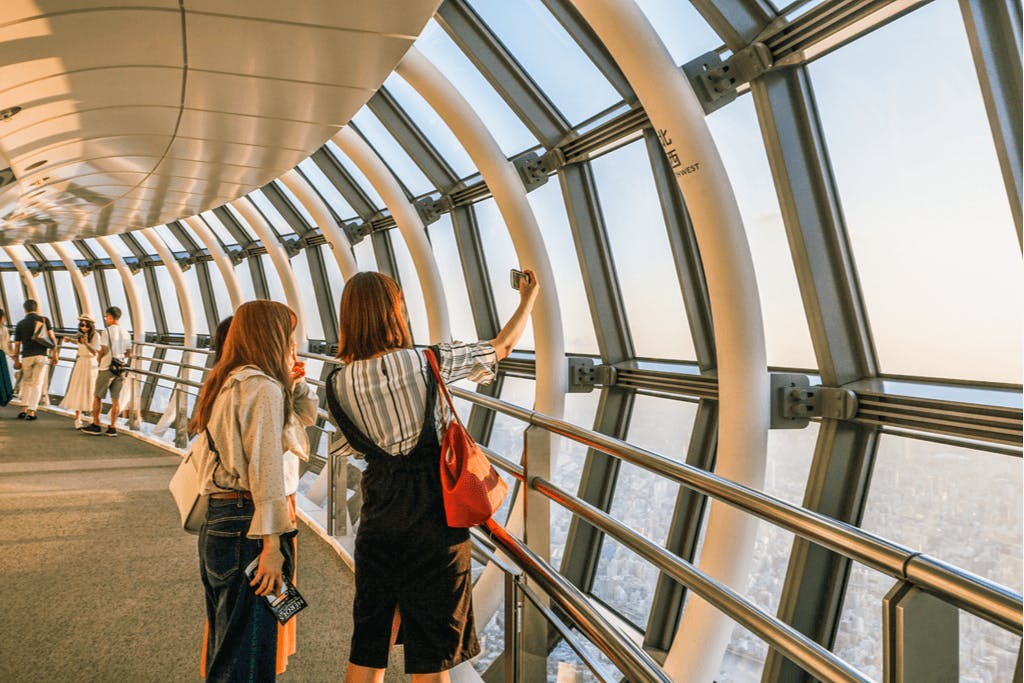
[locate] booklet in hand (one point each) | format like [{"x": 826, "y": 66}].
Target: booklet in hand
[{"x": 285, "y": 604}]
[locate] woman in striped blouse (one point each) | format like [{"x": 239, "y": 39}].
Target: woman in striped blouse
[{"x": 412, "y": 569}]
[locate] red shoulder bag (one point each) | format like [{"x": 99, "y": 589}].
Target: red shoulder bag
[{"x": 471, "y": 487}]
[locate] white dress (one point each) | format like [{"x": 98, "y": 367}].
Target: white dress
[{"x": 83, "y": 378}]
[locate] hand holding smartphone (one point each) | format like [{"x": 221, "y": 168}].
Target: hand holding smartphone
[{"x": 517, "y": 277}]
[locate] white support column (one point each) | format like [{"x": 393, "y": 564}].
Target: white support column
[
  {"x": 282, "y": 265},
  {"x": 26, "y": 275},
  {"x": 510, "y": 196},
  {"x": 220, "y": 258},
  {"x": 188, "y": 318},
  {"x": 178, "y": 401},
  {"x": 335, "y": 236},
  {"x": 138, "y": 315},
  {"x": 409, "y": 224},
  {"x": 676, "y": 115},
  {"x": 77, "y": 279}
]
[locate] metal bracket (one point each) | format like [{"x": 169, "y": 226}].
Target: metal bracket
[
  {"x": 237, "y": 255},
  {"x": 586, "y": 373},
  {"x": 356, "y": 231},
  {"x": 794, "y": 402},
  {"x": 293, "y": 245},
  {"x": 430, "y": 210},
  {"x": 533, "y": 169},
  {"x": 715, "y": 82}
]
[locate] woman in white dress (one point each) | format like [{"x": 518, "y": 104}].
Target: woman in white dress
[{"x": 78, "y": 397}]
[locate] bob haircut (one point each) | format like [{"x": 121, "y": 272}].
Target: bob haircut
[
  {"x": 260, "y": 335},
  {"x": 372, "y": 317}
]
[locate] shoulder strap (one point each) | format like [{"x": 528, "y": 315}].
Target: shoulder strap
[
  {"x": 355, "y": 436},
  {"x": 431, "y": 353}
]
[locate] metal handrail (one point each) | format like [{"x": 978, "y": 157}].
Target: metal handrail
[
  {"x": 631, "y": 659},
  {"x": 974, "y": 594},
  {"x": 174, "y": 347},
  {"x": 981, "y": 597},
  {"x": 977, "y": 595},
  {"x": 809, "y": 655}
]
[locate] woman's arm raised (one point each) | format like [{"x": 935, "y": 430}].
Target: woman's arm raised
[{"x": 509, "y": 335}]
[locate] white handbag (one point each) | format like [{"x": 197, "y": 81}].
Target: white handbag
[{"x": 185, "y": 486}]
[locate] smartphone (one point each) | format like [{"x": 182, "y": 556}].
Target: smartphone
[{"x": 518, "y": 275}]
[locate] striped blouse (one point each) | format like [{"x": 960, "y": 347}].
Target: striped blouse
[{"x": 384, "y": 396}]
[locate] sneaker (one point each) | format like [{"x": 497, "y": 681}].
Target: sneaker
[
  {"x": 111, "y": 431},
  {"x": 92, "y": 429},
  {"x": 31, "y": 417},
  {"x": 22, "y": 415},
  {"x": 78, "y": 424}
]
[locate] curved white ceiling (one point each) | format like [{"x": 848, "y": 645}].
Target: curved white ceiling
[{"x": 139, "y": 112}]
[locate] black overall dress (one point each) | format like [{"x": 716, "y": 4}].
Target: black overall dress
[{"x": 406, "y": 555}]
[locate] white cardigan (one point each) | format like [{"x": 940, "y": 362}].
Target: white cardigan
[{"x": 258, "y": 452}]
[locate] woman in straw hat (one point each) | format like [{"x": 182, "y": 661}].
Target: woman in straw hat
[{"x": 78, "y": 396}]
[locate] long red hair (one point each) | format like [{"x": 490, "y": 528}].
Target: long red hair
[
  {"x": 372, "y": 317},
  {"x": 260, "y": 335}
]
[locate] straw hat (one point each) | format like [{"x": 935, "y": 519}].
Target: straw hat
[{"x": 86, "y": 317}]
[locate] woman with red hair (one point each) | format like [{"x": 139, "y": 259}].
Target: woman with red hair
[
  {"x": 252, "y": 409},
  {"x": 411, "y": 568}
]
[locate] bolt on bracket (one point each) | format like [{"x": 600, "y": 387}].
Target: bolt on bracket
[
  {"x": 794, "y": 401},
  {"x": 586, "y": 373}
]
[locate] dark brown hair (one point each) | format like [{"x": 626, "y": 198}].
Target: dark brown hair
[
  {"x": 372, "y": 317},
  {"x": 260, "y": 335}
]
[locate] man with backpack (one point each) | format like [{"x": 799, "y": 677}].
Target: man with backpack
[
  {"x": 33, "y": 341},
  {"x": 115, "y": 348}
]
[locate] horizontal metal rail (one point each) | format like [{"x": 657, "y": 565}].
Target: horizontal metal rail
[
  {"x": 631, "y": 659},
  {"x": 803, "y": 651},
  {"x": 969, "y": 592}
]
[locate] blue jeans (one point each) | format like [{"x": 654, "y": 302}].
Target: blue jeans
[{"x": 242, "y": 643}]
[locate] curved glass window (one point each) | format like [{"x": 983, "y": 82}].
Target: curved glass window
[
  {"x": 92, "y": 291},
  {"x": 500, "y": 255},
  {"x": 275, "y": 289},
  {"x": 636, "y": 233},
  {"x": 512, "y": 135},
  {"x": 298, "y": 206},
  {"x": 222, "y": 233},
  {"x": 169, "y": 299},
  {"x": 20, "y": 252},
  {"x": 446, "y": 253},
  {"x": 538, "y": 41},
  {"x": 327, "y": 191},
  {"x": 917, "y": 171},
  {"x": 270, "y": 212},
  {"x": 357, "y": 175},
  {"x": 567, "y": 468},
  {"x": 577, "y": 325},
  {"x": 245, "y": 283},
  {"x": 645, "y": 502},
  {"x": 172, "y": 242},
  {"x": 790, "y": 452},
  {"x": 959, "y": 506},
  {"x": 15, "y": 294},
  {"x": 48, "y": 252},
  {"x": 198, "y": 302},
  {"x": 681, "y": 28},
  {"x": 66, "y": 298},
  {"x": 116, "y": 294},
  {"x": 414, "y": 302},
  {"x": 365, "y": 257},
  {"x": 431, "y": 125},
  {"x": 738, "y": 138},
  {"x": 308, "y": 293},
  {"x": 393, "y": 154}
]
